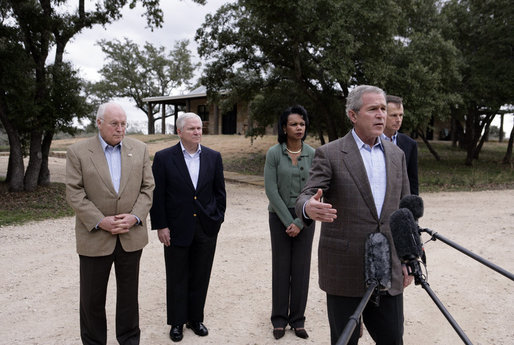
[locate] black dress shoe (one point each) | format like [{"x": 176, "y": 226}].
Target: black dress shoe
[
  {"x": 198, "y": 327},
  {"x": 176, "y": 333},
  {"x": 279, "y": 332},
  {"x": 301, "y": 333}
]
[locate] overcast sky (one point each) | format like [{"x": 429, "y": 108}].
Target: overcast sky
[{"x": 181, "y": 19}]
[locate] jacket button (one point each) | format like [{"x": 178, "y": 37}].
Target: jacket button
[
  {"x": 301, "y": 168},
  {"x": 194, "y": 214}
]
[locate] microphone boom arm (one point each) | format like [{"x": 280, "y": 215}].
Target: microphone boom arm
[
  {"x": 483, "y": 261},
  {"x": 414, "y": 269},
  {"x": 344, "y": 338},
  {"x": 445, "y": 312}
]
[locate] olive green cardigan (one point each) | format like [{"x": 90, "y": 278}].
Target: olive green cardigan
[{"x": 284, "y": 181}]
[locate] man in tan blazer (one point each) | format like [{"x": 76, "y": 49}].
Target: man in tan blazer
[
  {"x": 361, "y": 180},
  {"x": 109, "y": 185}
]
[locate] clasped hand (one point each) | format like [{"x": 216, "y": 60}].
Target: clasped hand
[
  {"x": 320, "y": 211},
  {"x": 118, "y": 224}
]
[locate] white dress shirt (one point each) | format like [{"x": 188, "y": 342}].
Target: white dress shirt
[{"x": 192, "y": 163}]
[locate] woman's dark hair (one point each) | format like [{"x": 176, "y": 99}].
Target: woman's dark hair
[{"x": 282, "y": 121}]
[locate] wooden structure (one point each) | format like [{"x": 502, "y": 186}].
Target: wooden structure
[{"x": 234, "y": 121}]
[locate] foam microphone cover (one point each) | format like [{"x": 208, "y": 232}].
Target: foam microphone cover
[
  {"x": 377, "y": 256},
  {"x": 405, "y": 234},
  {"x": 414, "y": 204}
]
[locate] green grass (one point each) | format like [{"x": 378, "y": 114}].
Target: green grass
[
  {"x": 45, "y": 203},
  {"x": 248, "y": 164},
  {"x": 450, "y": 173}
]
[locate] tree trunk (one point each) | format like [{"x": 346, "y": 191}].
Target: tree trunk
[
  {"x": 471, "y": 136},
  {"x": 500, "y": 136},
  {"x": 332, "y": 128},
  {"x": 427, "y": 143},
  {"x": 36, "y": 156},
  {"x": 508, "y": 155},
  {"x": 151, "y": 125},
  {"x": 163, "y": 119},
  {"x": 320, "y": 135},
  {"x": 15, "y": 167},
  {"x": 484, "y": 138},
  {"x": 44, "y": 172},
  {"x": 151, "y": 119}
]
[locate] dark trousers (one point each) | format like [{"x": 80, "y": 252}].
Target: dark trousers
[
  {"x": 291, "y": 265},
  {"x": 188, "y": 271},
  {"x": 94, "y": 276},
  {"x": 383, "y": 322}
]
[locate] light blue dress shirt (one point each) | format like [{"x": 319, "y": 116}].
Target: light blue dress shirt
[
  {"x": 392, "y": 139},
  {"x": 374, "y": 162},
  {"x": 113, "y": 157}
]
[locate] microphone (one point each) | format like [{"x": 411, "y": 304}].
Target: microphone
[
  {"x": 377, "y": 272},
  {"x": 405, "y": 235},
  {"x": 377, "y": 264},
  {"x": 414, "y": 204}
]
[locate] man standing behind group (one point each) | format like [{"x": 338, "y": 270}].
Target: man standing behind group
[
  {"x": 361, "y": 180},
  {"x": 188, "y": 209},
  {"x": 109, "y": 185},
  {"x": 406, "y": 143}
]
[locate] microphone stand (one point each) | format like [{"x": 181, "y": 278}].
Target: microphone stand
[
  {"x": 414, "y": 269},
  {"x": 344, "y": 338},
  {"x": 436, "y": 236}
]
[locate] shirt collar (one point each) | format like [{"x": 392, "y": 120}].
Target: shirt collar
[
  {"x": 361, "y": 143},
  {"x": 185, "y": 151},
  {"x": 105, "y": 145},
  {"x": 392, "y": 139}
]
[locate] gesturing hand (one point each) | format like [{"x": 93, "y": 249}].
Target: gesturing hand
[{"x": 318, "y": 210}]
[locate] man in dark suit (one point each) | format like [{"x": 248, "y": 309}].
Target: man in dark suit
[
  {"x": 188, "y": 209},
  {"x": 361, "y": 179},
  {"x": 406, "y": 143},
  {"x": 109, "y": 185}
]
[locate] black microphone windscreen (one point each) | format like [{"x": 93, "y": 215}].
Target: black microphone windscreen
[
  {"x": 414, "y": 204},
  {"x": 377, "y": 264},
  {"x": 405, "y": 234}
]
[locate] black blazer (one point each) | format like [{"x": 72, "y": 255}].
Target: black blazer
[
  {"x": 410, "y": 148},
  {"x": 177, "y": 205}
]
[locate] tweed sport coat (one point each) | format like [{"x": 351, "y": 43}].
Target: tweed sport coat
[
  {"x": 339, "y": 171},
  {"x": 90, "y": 192}
]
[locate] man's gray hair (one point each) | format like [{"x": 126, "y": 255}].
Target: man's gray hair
[
  {"x": 354, "y": 99},
  {"x": 181, "y": 121},
  {"x": 101, "y": 109}
]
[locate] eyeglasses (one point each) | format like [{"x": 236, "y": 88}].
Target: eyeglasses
[{"x": 118, "y": 124}]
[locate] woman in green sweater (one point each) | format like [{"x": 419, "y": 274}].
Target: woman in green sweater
[{"x": 285, "y": 172}]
